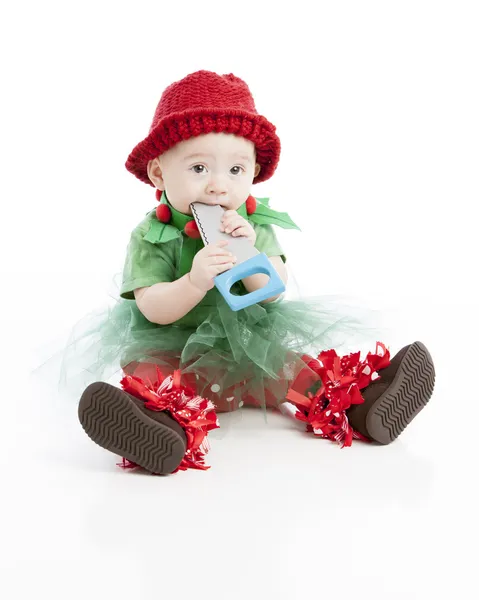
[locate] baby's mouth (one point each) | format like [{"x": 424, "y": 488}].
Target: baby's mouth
[{"x": 215, "y": 203}]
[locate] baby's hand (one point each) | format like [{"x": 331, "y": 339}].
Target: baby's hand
[
  {"x": 209, "y": 262},
  {"x": 236, "y": 225}
]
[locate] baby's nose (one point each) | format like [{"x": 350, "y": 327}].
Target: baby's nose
[
  {"x": 217, "y": 190},
  {"x": 217, "y": 187}
]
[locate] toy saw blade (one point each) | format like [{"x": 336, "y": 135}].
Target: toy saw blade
[{"x": 208, "y": 218}]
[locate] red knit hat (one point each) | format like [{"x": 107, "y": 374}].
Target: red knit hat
[{"x": 205, "y": 102}]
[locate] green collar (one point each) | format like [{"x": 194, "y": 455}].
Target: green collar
[{"x": 164, "y": 232}]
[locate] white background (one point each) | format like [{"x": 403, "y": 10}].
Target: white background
[{"x": 376, "y": 107}]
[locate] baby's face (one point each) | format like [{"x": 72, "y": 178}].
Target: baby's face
[{"x": 216, "y": 168}]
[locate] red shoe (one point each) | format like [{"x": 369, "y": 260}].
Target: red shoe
[
  {"x": 120, "y": 423},
  {"x": 392, "y": 402}
]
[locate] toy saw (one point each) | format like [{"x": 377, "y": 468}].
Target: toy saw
[{"x": 249, "y": 260}]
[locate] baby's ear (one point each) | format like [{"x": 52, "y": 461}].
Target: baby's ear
[
  {"x": 257, "y": 169},
  {"x": 155, "y": 175}
]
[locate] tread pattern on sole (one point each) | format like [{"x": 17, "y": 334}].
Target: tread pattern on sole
[
  {"x": 112, "y": 421},
  {"x": 406, "y": 397}
]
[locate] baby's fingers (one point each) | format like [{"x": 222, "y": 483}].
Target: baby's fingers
[
  {"x": 222, "y": 268},
  {"x": 215, "y": 250},
  {"x": 241, "y": 231},
  {"x": 222, "y": 260}
]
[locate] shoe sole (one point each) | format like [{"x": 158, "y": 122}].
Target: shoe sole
[
  {"x": 409, "y": 392},
  {"x": 115, "y": 423}
]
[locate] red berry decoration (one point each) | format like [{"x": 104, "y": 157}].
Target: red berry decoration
[
  {"x": 250, "y": 205},
  {"x": 191, "y": 230},
  {"x": 158, "y": 194},
  {"x": 163, "y": 213}
]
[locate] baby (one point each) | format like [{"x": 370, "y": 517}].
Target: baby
[{"x": 184, "y": 353}]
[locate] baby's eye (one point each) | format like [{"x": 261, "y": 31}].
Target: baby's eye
[
  {"x": 237, "y": 172},
  {"x": 194, "y": 167}
]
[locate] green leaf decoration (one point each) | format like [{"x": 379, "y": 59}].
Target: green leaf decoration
[
  {"x": 161, "y": 232},
  {"x": 267, "y": 216},
  {"x": 264, "y": 201}
]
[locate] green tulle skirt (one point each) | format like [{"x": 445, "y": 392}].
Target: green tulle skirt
[{"x": 248, "y": 357}]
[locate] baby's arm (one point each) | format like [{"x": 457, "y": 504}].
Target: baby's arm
[
  {"x": 166, "y": 302},
  {"x": 259, "y": 280}
]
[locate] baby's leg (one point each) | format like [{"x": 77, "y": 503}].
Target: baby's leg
[
  {"x": 224, "y": 400},
  {"x": 274, "y": 395},
  {"x": 232, "y": 398},
  {"x": 147, "y": 369}
]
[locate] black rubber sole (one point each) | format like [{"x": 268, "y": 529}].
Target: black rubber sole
[
  {"x": 407, "y": 395},
  {"x": 113, "y": 421}
]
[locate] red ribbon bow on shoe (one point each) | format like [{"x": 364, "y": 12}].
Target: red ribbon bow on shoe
[
  {"x": 341, "y": 378},
  {"x": 195, "y": 414}
]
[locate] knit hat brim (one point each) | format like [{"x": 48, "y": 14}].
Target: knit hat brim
[{"x": 181, "y": 126}]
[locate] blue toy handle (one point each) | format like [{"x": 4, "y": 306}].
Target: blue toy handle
[{"x": 257, "y": 264}]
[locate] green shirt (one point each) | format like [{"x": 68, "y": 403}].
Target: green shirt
[{"x": 167, "y": 254}]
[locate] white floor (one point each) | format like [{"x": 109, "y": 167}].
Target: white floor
[{"x": 280, "y": 514}]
